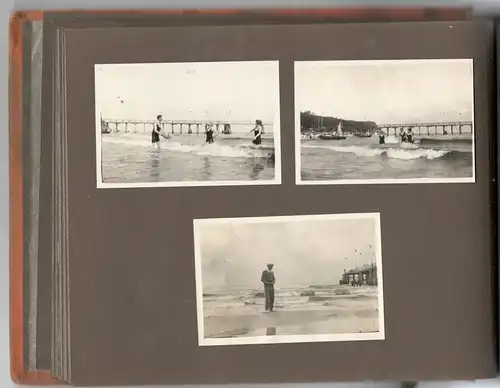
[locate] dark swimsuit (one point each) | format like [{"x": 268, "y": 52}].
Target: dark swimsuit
[
  {"x": 209, "y": 136},
  {"x": 155, "y": 138},
  {"x": 258, "y": 139},
  {"x": 409, "y": 138}
]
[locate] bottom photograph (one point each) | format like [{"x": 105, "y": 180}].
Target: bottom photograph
[{"x": 287, "y": 279}]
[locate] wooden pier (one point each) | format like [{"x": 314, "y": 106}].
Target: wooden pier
[
  {"x": 365, "y": 275},
  {"x": 170, "y": 126},
  {"x": 452, "y": 128}
]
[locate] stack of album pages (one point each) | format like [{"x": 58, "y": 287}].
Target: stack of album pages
[{"x": 252, "y": 196}]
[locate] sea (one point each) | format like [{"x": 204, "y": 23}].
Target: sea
[
  {"x": 131, "y": 158},
  {"x": 363, "y": 159},
  {"x": 322, "y": 309}
]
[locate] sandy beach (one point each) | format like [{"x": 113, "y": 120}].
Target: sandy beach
[{"x": 299, "y": 311}]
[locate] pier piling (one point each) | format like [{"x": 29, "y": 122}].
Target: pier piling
[
  {"x": 176, "y": 126},
  {"x": 365, "y": 275}
]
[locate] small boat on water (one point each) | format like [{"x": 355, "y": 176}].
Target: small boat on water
[
  {"x": 337, "y": 135},
  {"x": 363, "y": 135},
  {"x": 332, "y": 137}
]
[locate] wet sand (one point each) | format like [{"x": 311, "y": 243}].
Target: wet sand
[{"x": 337, "y": 315}]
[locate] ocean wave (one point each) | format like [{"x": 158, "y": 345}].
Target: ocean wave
[
  {"x": 420, "y": 153},
  {"x": 391, "y": 139},
  {"x": 228, "y": 151},
  {"x": 392, "y": 152}
]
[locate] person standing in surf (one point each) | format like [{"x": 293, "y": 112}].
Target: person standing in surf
[
  {"x": 272, "y": 157},
  {"x": 257, "y": 132},
  {"x": 381, "y": 138},
  {"x": 402, "y": 135},
  {"x": 155, "y": 135},
  {"x": 268, "y": 279},
  {"x": 409, "y": 136},
  {"x": 209, "y": 134}
]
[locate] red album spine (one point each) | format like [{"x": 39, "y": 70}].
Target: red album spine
[{"x": 19, "y": 372}]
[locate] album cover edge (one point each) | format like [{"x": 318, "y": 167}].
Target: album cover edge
[
  {"x": 403, "y": 13},
  {"x": 18, "y": 372}
]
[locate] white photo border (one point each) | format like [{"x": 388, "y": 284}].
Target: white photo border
[
  {"x": 375, "y": 181},
  {"x": 276, "y": 135},
  {"x": 286, "y": 339}
]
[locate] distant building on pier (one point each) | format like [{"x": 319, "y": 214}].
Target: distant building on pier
[{"x": 364, "y": 275}]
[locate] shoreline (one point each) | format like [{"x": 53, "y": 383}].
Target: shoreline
[
  {"x": 292, "y": 323},
  {"x": 234, "y": 135},
  {"x": 323, "y": 313}
]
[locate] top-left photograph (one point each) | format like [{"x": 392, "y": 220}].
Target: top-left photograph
[{"x": 187, "y": 124}]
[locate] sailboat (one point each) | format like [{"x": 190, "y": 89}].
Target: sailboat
[{"x": 338, "y": 135}]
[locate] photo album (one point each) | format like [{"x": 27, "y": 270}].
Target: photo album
[{"x": 252, "y": 196}]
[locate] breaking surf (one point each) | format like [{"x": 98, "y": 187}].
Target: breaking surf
[
  {"x": 226, "y": 149},
  {"x": 392, "y": 152}
]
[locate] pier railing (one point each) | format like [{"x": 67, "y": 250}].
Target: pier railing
[
  {"x": 451, "y": 128},
  {"x": 170, "y": 126}
]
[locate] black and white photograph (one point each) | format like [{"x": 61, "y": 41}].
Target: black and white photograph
[
  {"x": 384, "y": 121},
  {"x": 289, "y": 279},
  {"x": 187, "y": 124}
]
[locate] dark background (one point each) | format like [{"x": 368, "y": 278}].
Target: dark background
[{"x": 133, "y": 306}]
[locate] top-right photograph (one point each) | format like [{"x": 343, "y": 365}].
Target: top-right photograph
[{"x": 387, "y": 121}]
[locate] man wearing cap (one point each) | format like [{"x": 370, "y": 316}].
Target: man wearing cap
[{"x": 268, "y": 279}]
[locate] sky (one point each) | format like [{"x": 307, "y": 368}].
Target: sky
[
  {"x": 306, "y": 252},
  {"x": 239, "y": 91},
  {"x": 387, "y": 92}
]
